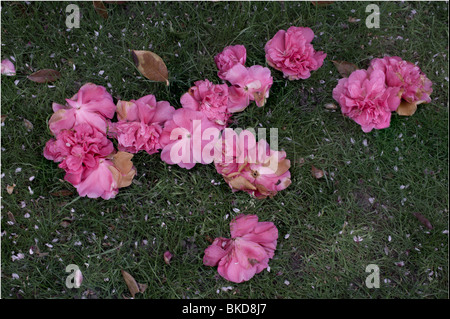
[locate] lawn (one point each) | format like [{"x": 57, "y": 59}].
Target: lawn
[{"x": 330, "y": 229}]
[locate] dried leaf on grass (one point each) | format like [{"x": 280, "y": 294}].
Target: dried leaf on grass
[
  {"x": 44, "y": 76},
  {"x": 345, "y": 68},
  {"x": 423, "y": 220},
  {"x": 317, "y": 173},
  {"x": 151, "y": 66},
  {"x": 133, "y": 286}
]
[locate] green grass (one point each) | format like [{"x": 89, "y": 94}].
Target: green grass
[{"x": 368, "y": 191}]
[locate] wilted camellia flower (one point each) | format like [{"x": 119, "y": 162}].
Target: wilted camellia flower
[
  {"x": 7, "y": 68},
  {"x": 189, "y": 138},
  {"x": 229, "y": 57},
  {"x": 292, "y": 53},
  {"x": 140, "y": 124},
  {"x": 92, "y": 104},
  {"x": 365, "y": 98},
  {"x": 78, "y": 149},
  {"x": 248, "y": 84},
  {"x": 105, "y": 180},
  {"x": 251, "y": 166},
  {"x": 210, "y": 99},
  {"x": 415, "y": 87},
  {"x": 247, "y": 252}
]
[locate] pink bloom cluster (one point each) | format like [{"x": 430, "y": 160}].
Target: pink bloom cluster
[
  {"x": 247, "y": 252},
  {"x": 250, "y": 165},
  {"x": 292, "y": 53},
  {"x": 189, "y": 135},
  {"x": 370, "y": 96},
  {"x": 140, "y": 124},
  {"x": 81, "y": 147}
]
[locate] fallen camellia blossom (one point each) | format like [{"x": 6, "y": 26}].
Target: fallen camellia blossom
[
  {"x": 251, "y": 166},
  {"x": 140, "y": 124},
  {"x": 229, "y": 57},
  {"x": 415, "y": 87},
  {"x": 248, "y": 84},
  {"x": 92, "y": 104},
  {"x": 105, "y": 180},
  {"x": 292, "y": 53},
  {"x": 189, "y": 138},
  {"x": 78, "y": 149},
  {"x": 210, "y": 99},
  {"x": 7, "y": 68},
  {"x": 248, "y": 251},
  {"x": 365, "y": 98}
]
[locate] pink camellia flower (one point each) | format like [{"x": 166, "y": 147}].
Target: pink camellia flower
[
  {"x": 78, "y": 149},
  {"x": 248, "y": 84},
  {"x": 229, "y": 57},
  {"x": 7, "y": 68},
  {"x": 210, "y": 99},
  {"x": 251, "y": 166},
  {"x": 248, "y": 251},
  {"x": 189, "y": 138},
  {"x": 92, "y": 104},
  {"x": 105, "y": 180},
  {"x": 415, "y": 87},
  {"x": 140, "y": 124},
  {"x": 365, "y": 98},
  {"x": 292, "y": 53}
]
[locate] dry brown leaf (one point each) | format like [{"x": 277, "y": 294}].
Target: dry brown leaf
[
  {"x": 28, "y": 124},
  {"x": 345, "y": 68},
  {"x": 316, "y": 173},
  {"x": 151, "y": 66},
  {"x": 4, "y": 118},
  {"x": 331, "y": 106},
  {"x": 423, "y": 220},
  {"x": 10, "y": 188},
  {"x": 62, "y": 193},
  {"x": 133, "y": 286},
  {"x": 11, "y": 217},
  {"x": 101, "y": 9},
  {"x": 406, "y": 108},
  {"x": 321, "y": 3},
  {"x": 44, "y": 76}
]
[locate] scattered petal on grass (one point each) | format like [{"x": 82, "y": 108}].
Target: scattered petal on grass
[
  {"x": 316, "y": 173},
  {"x": 331, "y": 106},
  {"x": 10, "y": 188},
  {"x": 167, "y": 257}
]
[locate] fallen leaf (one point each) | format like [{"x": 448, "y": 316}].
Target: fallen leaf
[
  {"x": 321, "y": 3},
  {"x": 4, "y": 118},
  {"x": 331, "y": 106},
  {"x": 10, "y": 189},
  {"x": 316, "y": 173},
  {"x": 423, "y": 220},
  {"x": 11, "y": 217},
  {"x": 345, "y": 68},
  {"x": 28, "y": 124},
  {"x": 151, "y": 66},
  {"x": 133, "y": 286},
  {"x": 101, "y": 9},
  {"x": 44, "y": 76},
  {"x": 406, "y": 108},
  {"x": 62, "y": 193}
]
